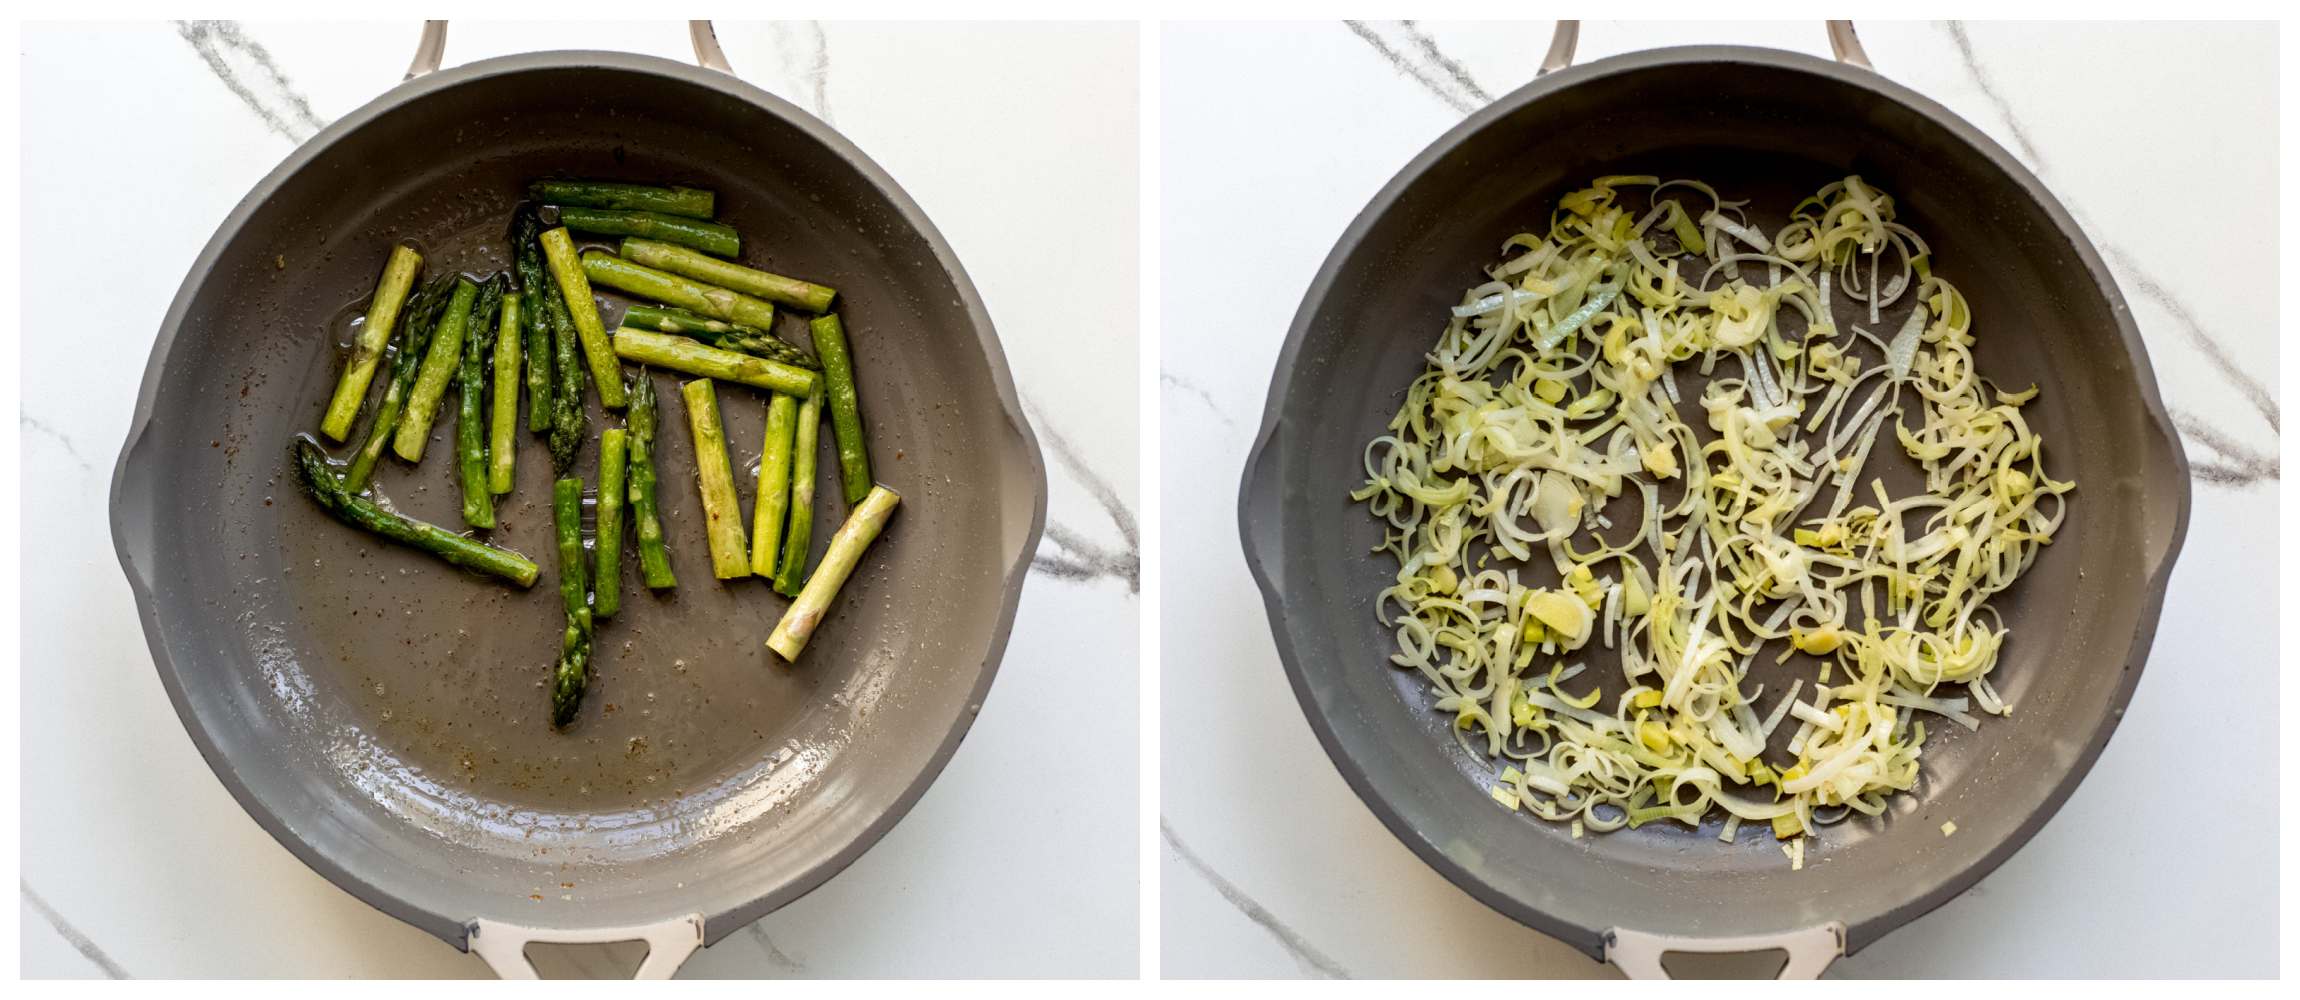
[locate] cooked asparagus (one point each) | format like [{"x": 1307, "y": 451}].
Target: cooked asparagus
[
  {"x": 471, "y": 414},
  {"x": 606, "y": 375},
  {"x": 504, "y": 420},
  {"x": 607, "y": 569},
  {"x": 527, "y": 260},
  {"x": 686, "y": 293},
  {"x": 722, "y": 510},
  {"x": 569, "y": 423},
  {"x": 572, "y": 673},
  {"x": 799, "y": 534},
  {"x": 367, "y": 351},
  {"x": 690, "y": 202},
  {"x": 343, "y": 505},
  {"x": 419, "y": 318},
  {"x": 719, "y": 333},
  {"x": 773, "y": 500},
  {"x": 679, "y": 260},
  {"x": 709, "y": 237},
  {"x": 846, "y": 412},
  {"x": 654, "y": 557},
  {"x": 861, "y": 528},
  {"x": 439, "y": 366},
  {"x": 683, "y": 355}
]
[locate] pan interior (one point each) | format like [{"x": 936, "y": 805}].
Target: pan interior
[
  {"x": 1753, "y": 129},
  {"x": 385, "y": 713}
]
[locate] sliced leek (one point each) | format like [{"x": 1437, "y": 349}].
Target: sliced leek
[{"x": 1553, "y": 389}]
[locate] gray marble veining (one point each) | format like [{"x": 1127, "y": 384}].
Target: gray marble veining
[
  {"x": 1314, "y": 963},
  {"x": 247, "y": 69},
  {"x": 1416, "y": 55},
  {"x": 72, "y": 935}
]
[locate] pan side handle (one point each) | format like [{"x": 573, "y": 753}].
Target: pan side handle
[
  {"x": 504, "y": 946},
  {"x": 1843, "y": 44},
  {"x": 1810, "y": 949},
  {"x": 432, "y": 48},
  {"x": 1260, "y": 524}
]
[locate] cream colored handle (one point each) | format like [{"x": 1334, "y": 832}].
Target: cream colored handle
[
  {"x": 504, "y": 946},
  {"x": 432, "y": 47},
  {"x": 1810, "y": 949},
  {"x": 1843, "y": 44}
]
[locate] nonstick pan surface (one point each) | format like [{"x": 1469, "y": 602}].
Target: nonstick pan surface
[
  {"x": 1775, "y": 127},
  {"x": 382, "y": 714}
]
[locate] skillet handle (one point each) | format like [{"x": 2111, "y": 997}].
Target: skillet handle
[
  {"x": 504, "y": 946},
  {"x": 1810, "y": 949},
  {"x": 433, "y": 46},
  {"x": 1843, "y": 44}
]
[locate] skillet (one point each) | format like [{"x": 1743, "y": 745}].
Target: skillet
[
  {"x": 1772, "y": 126},
  {"x": 380, "y": 713}
]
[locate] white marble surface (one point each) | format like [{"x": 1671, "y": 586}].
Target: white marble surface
[
  {"x": 1021, "y": 860},
  {"x": 1288, "y": 874}
]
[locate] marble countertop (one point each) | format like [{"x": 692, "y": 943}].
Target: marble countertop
[
  {"x": 1021, "y": 860},
  {"x": 1272, "y": 867}
]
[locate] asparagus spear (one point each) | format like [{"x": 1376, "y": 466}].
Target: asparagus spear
[
  {"x": 861, "y": 528},
  {"x": 607, "y": 574},
  {"x": 709, "y": 237},
  {"x": 606, "y": 374},
  {"x": 774, "y": 496},
  {"x": 527, "y": 260},
  {"x": 799, "y": 536},
  {"x": 569, "y": 423},
  {"x": 421, "y": 317},
  {"x": 500, "y": 447},
  {"x": 721, "y": 508},
  {"x": 679, "y": 260},
  {"x": 345, "y": 506},
  {"x": 438, "y": 366},
  {"x": 846, "y": 414},
  {"x": 367, "y": 351},
  {"x": 690, "y": 202},
  {"x": 572, "y": 673},
  {"x": 719, "y": 333},
  {"x": 654, "y": 557},
  {"x": 686, "y": 293},
  {"x": 681, "y": 354},
  {"x": 471, "y": 415}
]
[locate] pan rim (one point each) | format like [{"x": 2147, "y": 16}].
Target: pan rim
[
  {"x": 1260, "y": 521},
  {"x": 455, "y": 929}
]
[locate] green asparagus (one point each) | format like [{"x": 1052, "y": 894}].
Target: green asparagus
[
  {"x": 720, "y": 334},
  {"x": 419, "y": 319},
  {"x": 709, "y": 237},
  {"x": 689, "y": 202},
  {"x": 654, "y": 557},
  {"x": 607, "y": 569},
  {"x": 527, "y": 260},
  {"x": 861, "y": 528},
  {"x": 606, "y": 374},
  {"x": 345, "y": 506},
  {"x": 686, "y": 293},
  {"x": 439, "y": 366},
  {"x": 681, "y": 354},
  {"x": 722, "y": 510},
  {"x": 774, "y": 497},
  {"x": 569, "y": 423},
  {"x": 679, "y": 260},
  {"x": 572, "y": 673},
  {"x": 471, "y": 414},
  {"x": 504, "y": 420},
  {"x": 846, "y": 413},
  {"x": 382, "y": 314},
  {"x": 791, "y": 566}
]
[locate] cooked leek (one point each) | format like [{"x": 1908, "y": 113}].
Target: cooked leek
[{"x": 1553, "y": 389}]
